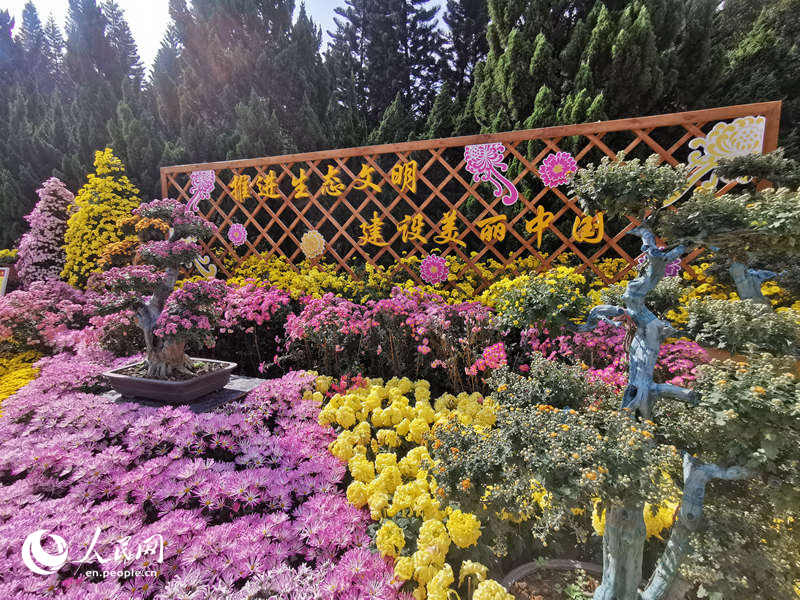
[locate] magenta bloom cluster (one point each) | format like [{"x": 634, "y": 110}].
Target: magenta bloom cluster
[
  {"x": 603, "y": 353},
  {"x": 41, "y": 249},
  {"x": 241, "y": 495}
]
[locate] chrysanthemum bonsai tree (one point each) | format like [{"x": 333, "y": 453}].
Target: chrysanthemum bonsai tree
[
  {"x": 552, "y": 454},
  {"x": 743, "y": 423},
  {"x": 170, "y": 319}
]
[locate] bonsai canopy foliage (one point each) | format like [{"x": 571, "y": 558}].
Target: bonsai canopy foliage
[
  {"x": 166, "y": 232},
  {"x": 549, "y": 455},
  {"x": 621, "y": 187}
]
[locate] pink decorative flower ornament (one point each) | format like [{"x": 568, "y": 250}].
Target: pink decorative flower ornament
[
  {"x": 202, "y": 186},
  {"x": 485, "y": 161},
  {"x": 433, "y": 269},
  {"x": 557, "y": 169},
  {"x": 237, "y": 234}
]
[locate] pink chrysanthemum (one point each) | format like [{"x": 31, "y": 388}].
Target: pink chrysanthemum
[
  {"x": 433, "y": 269},
  {"x": 557, "y": 169},
  {"x": 237, "y": 234}
]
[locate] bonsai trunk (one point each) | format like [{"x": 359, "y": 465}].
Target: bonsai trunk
[
  {"x": 623, "y": 547},
  {"x": 167, "y": 360},
  {"x": 623, "y": 542},
  {"x": 696, "y": 476},
  {"x": 748, "y": 282},
  {"x": 163, "y": 360}
]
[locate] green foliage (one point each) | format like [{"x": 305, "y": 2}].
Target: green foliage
[
  {"x": 576, "y": 454},
  {"x": 743, "y": 326},
  {"x": 748, "y": 415},
  {"x": 547, "y": 300},
  {"x": 761, "y": 224},
  {"x": 773, "y": 167},
  {"x": 623, "y": 187},
  {"x": 661, "y": 299},
  {"x": 553, "y": 383}
]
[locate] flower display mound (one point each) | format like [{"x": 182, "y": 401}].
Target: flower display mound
[
  {"x": 383, "y": 431},
  {"x": 245, "y": 498}
]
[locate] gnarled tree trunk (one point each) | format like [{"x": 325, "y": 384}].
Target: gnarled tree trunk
[
  {"x": 163, "y": 360},
  {"x": 623, "y": 548},
  {"x": 748, "y": 282}
]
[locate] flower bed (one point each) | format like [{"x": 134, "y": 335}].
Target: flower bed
[{"x": 246, "y": 498}]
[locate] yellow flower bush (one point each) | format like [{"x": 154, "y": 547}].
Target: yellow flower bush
[
  {"x": 317, "y": 279},
  {"x": 15, "y": 373},
  {"x": 384, "y": 435},
  {"x": 107, "y": 197},
  {"x": 8, "y": 256},
  {"x": 655, "y": 522}
]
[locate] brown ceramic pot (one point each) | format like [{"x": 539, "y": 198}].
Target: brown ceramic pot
[{"x": 171, "y": 392}]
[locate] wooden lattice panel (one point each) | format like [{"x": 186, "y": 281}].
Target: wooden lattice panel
[{"x": 275, "y": 225}]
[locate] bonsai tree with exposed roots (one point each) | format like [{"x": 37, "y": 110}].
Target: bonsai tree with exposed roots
[{"x": 171, "y": 319}]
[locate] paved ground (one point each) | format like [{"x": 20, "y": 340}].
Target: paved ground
[{"x": 237, "y": 388}]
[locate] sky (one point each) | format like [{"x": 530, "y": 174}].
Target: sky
[{"x": 148, "y": 19}]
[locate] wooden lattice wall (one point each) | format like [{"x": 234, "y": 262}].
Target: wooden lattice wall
[{"x": 275, "y": 225}]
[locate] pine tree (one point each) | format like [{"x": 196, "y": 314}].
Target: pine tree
[
  {"x": 125, "y": 55},
  {"x": 764, "y": 66},
  {"x": 383, "y": 48},
  {"x": 441, "y": 120},
  {"x": 34, "y": 47},
  {"x": 305, "y": 85},
  {"x": 395, "y": 126},
  {"x": 466, "y": 42},
  {"x": 258, "y": 131}
]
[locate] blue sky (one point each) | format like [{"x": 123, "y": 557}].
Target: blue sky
[{"x": 148, "y": 18}]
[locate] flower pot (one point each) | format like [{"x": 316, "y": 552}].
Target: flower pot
[
  {"x": 171, "y": 392},
  {"x": 555, "y": 564},
  {"x": 679, "y": 590},
  {"x": 720, "y": 354}
]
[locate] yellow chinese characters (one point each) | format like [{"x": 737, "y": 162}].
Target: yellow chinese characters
[
  {"x": 410, "y": 228},
  {"x": 331, "y": 184},
  {"x": 588, "y": 229},
  {"x": 404, "y": 175},
  {"x": 300, "y": 185},
  {"x": 372, "y": 232},
  {"x": 539, "y": 223},
  {"x": 364, "y": 179},
  {"x": 240, "y": 187},
  {"x": 448, "y": 229},
  {"x": 493, "y": 228},
  {"x": 268, "y": 185}
]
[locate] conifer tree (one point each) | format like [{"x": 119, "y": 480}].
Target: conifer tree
[
  {"x": 466, "y": 21},
  {"x": 106, "y": 197},
  {"x": 395, "y": 126},
  {"x": 441, "y": 120}
]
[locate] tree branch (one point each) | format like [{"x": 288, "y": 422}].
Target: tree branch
[{"x": 696, "y": 476}]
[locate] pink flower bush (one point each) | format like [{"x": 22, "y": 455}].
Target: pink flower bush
[
  {"x": 407, "y": 334},
  {"x": 239, "y": 495},
  {"x": 557, "y": 169},
  {"x": 43, "y": 318},
  {"x": 41, "y": 250},
  {"x": 492, "y": 357},
  {"x": 433, "y": 269},
  {"x": 602, "y": 352}
]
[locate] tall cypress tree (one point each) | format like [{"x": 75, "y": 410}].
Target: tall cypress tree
[{"x": 466, "y": 42}]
